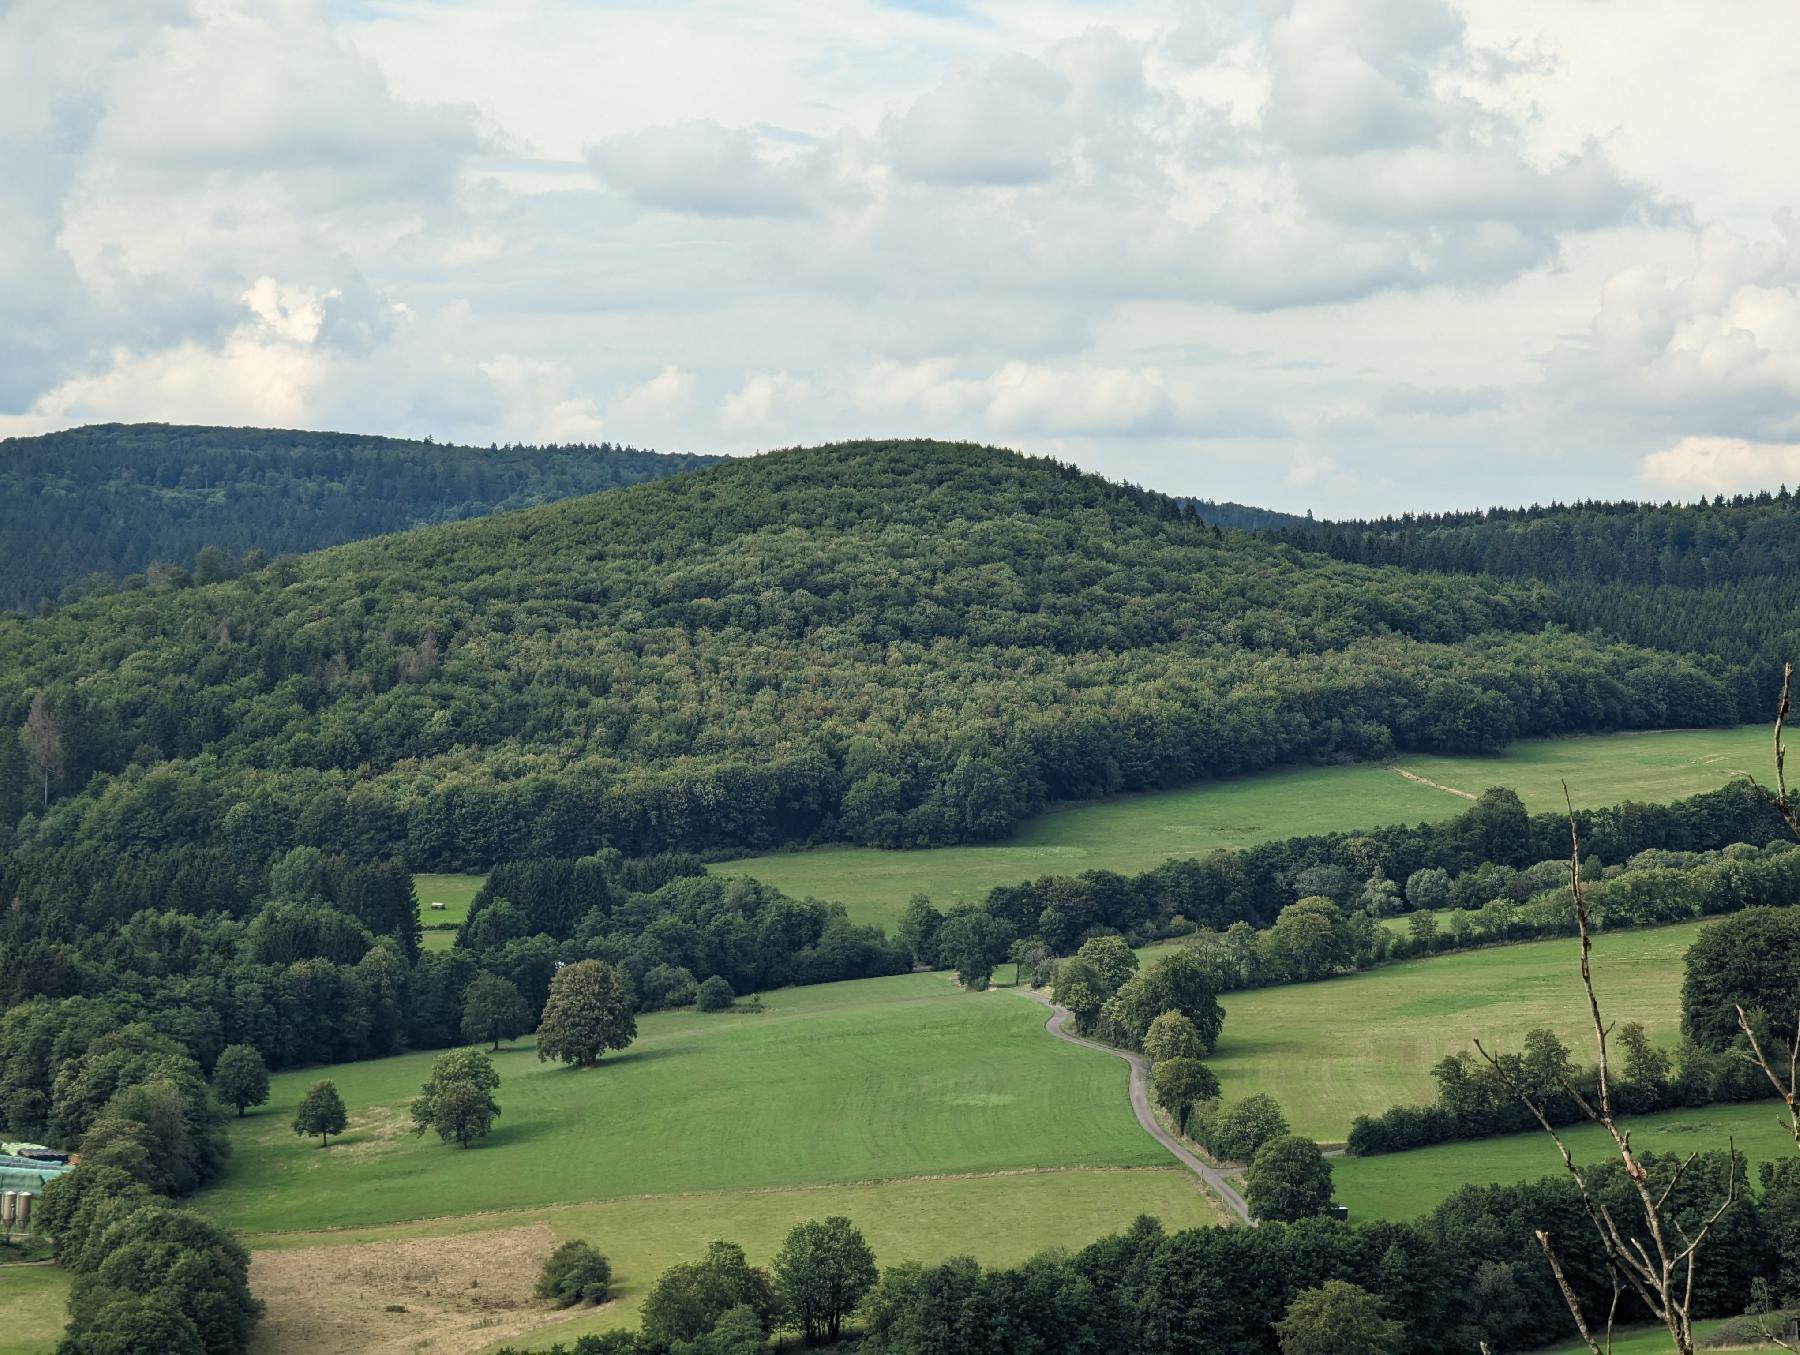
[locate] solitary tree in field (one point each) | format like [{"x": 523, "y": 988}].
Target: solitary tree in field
[
  {"x": 239, "y": 1077},
  {"x": 824, "y": 1270},
  {"x": 1289, "y": 1179},
  {"x": 493, "y": 1010},
  {"x": 1339, "y": 1318},
  {"x": 43, "y": 740},
  {"x": 589, "y": 1012},
  {"x": 457, "y": 1099},
  {"x": 321, "y": 1112}
]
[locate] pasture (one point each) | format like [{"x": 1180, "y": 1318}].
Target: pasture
[
  {"x": 455, "y": 892},
  {"x": 943, "y": 1122},
  {"x": 1134, "y": 833},
  {"x": 999, "y": 1219},
  {"x": 1343, "y": 1047},
  {"x": 1646, "y": 1341},
  {"x": 32, "y": 1300},
  {"x": 872, "y": 1080},
  {"x": 1406, "y": 1185}
]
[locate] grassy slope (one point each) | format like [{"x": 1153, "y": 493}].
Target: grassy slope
[
  {"x": 32, "y": 1300},
  {"x": 1000, "y": 1219},
  {"x": 1137, "y": 832},
  {"x": 847, "y": 1082},
  {"x": 1405, "y": 1185},
  {"x": 455, "y": 892},
  {"x": 740, "y": 1126},
  {"x": 1644, "y": 1341},
  {"x": 1359, "y": 1044}
]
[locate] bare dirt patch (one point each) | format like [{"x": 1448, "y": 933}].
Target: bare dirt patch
[
  {"x": 1436, "y": 785},
  {"x": 459, "y": 1294}
]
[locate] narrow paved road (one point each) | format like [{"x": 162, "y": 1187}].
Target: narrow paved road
[{"x": 1220, "y": 1182}]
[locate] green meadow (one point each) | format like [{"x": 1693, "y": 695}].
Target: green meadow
[
  {"x": 1405, "y": 1185},
  {"x": 1133, "y": 833},
  {"x": 455, "y": 892},
  {"x": 1355, "y": 1045},
  {"x": 872, "y": 1080},
  {"x": 32, "y": 1315},
  {"x": 1648, "y": 1341},
  {"x": 943, "y": 1122}
]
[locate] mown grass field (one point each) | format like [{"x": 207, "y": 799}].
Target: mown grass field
[
  {"x": 1405, "y": 1185},
  {"x": 33, "y": 1303},
  {"x": 873, "y": 1080},
  {"x": 1136, "y": 832},
  {"x": 455, "y": 892},
  {"x": 1000, "y": 1219},
  {"x": 943, "y": 1122},
  {"x": 1646, "y": 1341},
  {"x": 1333, "y": 1050}
]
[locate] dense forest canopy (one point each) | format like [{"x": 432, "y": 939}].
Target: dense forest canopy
[
  {"x": 82, "y": 509},
  {"x": 888, "y": 642},
  {"x": 1714, "y": 577}
]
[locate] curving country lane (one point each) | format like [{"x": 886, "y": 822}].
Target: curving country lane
[{"x": 1220, "y": 1183}]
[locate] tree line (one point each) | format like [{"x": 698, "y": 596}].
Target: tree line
[{"x": 152, "y": 507}]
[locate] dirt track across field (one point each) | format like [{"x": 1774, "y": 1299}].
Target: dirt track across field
[
  {"x": 1435, "y": 785},
  {"x": 455, "y": 1294}
]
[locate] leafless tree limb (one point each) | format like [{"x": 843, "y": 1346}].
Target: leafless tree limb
[
  {"x": 1660, "y": 1273},
  {"x": 1789, "y": 1090}
]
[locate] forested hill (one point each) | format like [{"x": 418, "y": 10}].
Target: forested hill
[
  {"x": 893, "y": 643},
  {"x": 1718, "y": 577},
  {"x": 81, "y": 510},
  {"x": 1243, "y": 517}
]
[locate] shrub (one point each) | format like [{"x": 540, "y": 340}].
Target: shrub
[
  {"x": 575, "y": 1273},
  {"x": 714, "y": 995}
]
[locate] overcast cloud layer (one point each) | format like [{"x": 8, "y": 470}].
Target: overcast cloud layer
[{"x": 1354, "y": 255}]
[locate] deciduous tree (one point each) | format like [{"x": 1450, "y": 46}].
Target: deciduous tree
[
  {"x": 321, "y": 1112},
  {"x": 493, "y": 1010},
  {"x": 824, "y": 1269},
  {"x": 589, "y": 1012},
  {"x": 240, "y": 1077},
  {"x": 1289, "y": 1179}
]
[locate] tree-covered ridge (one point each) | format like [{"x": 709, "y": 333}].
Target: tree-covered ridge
[
  {"x": 892, "y": 642},
  {"x": 1678, "y": 545},
  {"x": 1714, "y": 577},
  {"x": 84, "y": 508}
]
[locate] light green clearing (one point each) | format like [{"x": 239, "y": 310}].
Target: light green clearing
[
  {"x": 870, "y": 1080},
  {"x": 1350, "y": 1046},
  {"x": 33, "y": 1308},
  {"x": 1406, "y": 1185},
  {"x": 1134, "y": 833},
  {"x": 455, "y": 892}
]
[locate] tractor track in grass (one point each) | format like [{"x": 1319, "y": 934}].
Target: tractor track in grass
[{"x": 1221, "y": 1183}]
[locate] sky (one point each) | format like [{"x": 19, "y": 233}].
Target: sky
[{"x": 1357, "y": 256}]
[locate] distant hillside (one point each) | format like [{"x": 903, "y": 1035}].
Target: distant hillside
[
  {"x": 893, "y": 643},
  {"x": 82, "y": 509},
  {"x": 1719, "y": 577},
  {"x": 1243, "y": 518}
]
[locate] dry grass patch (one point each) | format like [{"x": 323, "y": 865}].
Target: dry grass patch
[{"x": 453, "y": 1294}]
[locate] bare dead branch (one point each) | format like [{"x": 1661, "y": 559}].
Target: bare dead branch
[
  {"x": 1568, "y": 1293},
  {"x": 1661, "y": 1271},
  {"x": 1788, "y": 1092}
]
